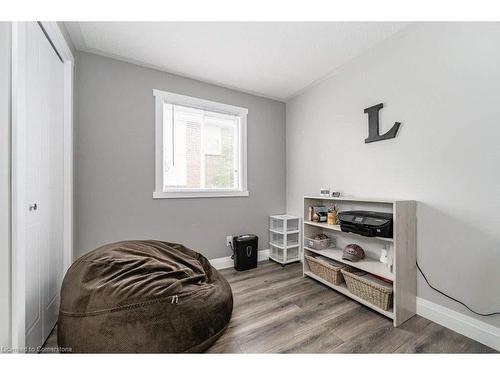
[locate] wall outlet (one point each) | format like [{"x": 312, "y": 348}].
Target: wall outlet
[{"x": 229, "y": 240}]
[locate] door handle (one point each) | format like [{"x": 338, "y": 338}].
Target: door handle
[{"x": 33, "y": 207}]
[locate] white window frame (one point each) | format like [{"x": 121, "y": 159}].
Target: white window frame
[{"x": 162, "y": 97}]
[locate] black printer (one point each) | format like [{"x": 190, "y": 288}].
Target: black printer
[{"x": 367, "y": 223}]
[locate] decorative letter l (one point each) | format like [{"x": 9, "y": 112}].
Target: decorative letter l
[{"x": 373, "y": 130}]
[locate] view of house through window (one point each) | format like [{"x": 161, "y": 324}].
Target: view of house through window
[{"x": 200, "y": 149}]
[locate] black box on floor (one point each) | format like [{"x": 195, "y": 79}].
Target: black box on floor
[{"x": 245, "y": 249}]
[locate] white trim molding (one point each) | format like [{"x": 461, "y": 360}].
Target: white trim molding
[
  {"x": 465, "y": 325},
  {"x": 200, "y": 194},
  {"x": 18, "y": 147},
  {"x": 227, "y": 262},
  {"x": 61, "y": 45},
  {"x": 190, "y": 101},
  {"x": 162, "y": 97}
]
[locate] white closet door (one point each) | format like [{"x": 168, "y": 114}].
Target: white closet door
[{"x": 44, "y": 184}]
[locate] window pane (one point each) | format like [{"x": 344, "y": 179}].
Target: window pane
[
  {"x": 201, "y": 149},
  {"x": 221, "y": 168},
  {"x": 213, "y": 139}
]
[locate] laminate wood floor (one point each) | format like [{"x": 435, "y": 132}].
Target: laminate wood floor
[{"x": 276, "y": 310}]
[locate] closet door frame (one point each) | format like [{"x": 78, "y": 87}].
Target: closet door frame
[{"x": 19, "y": 203}]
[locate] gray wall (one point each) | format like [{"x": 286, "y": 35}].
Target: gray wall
[
  {"x": 114, "y": 163},
  {"x": 5, "y": 260},
  {"x": 442, "y": 82}
]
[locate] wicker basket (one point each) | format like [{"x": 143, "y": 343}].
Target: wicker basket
[
  {"x": 326, "y": 270},
  {"x": 370, "y": 290}
]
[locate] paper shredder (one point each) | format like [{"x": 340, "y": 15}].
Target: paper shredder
[{"x": 245, "y": 249}]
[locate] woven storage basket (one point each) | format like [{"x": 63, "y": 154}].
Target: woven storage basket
[
  {"x": 326, "y": 270},
  {"x": 371, "y": 291}
]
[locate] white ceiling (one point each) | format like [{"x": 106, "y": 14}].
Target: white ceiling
[{"x": 275, "y": 59}]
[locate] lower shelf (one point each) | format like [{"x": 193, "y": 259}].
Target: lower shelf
[
  {"x": 343, "y": 289},
  {"x": 369, "y": 265},
  {"x": 280, "y": 244}
]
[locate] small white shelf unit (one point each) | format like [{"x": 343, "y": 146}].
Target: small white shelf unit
[
  {"x": 402, "y": 248},
  {"x": 284, "y": 238}
]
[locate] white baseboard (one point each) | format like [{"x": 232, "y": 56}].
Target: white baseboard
[
  {"x": 227, "y": 262},
  {"x": 475, "y": 329}
]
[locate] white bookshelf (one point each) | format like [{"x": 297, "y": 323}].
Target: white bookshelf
[
  {"x": 402, "y": 247},
  {"x": 284, "y": 239}
]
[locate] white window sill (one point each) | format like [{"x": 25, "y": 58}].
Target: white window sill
[{"x": 198, "y": 194}]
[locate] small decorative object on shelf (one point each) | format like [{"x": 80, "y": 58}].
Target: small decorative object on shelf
[
  {"x": 386, "y": 258},
  {"x": 310, "y": 213},
  {"x": 324, "y": 192},
  {"x": 336, "y": 194},
  {"x": 332, "y": 217},
  {"x": 319, "y": 214},
  {"x": 383, "y": 256},
  {"x": 284, "y": 238}
]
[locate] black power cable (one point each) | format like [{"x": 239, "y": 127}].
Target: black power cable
[{"x": 454, "y": 299}]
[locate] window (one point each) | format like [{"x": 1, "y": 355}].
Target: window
[{"x": 200, "y": 148}]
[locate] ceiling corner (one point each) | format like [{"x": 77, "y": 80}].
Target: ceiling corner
[{"x": 76, "y": 35}]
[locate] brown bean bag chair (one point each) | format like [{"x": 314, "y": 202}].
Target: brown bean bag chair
[{"x": 142, "y": 297}]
